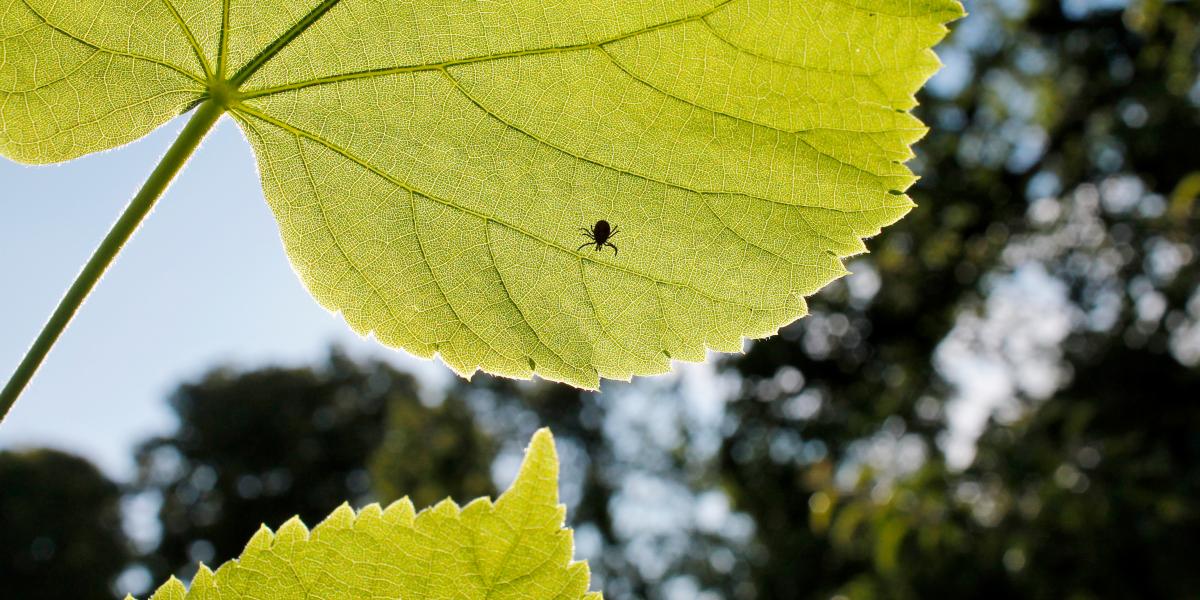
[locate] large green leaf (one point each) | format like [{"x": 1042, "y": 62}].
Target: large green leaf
[
  {"x": 514, "y": 549},
  {"x": 431, "y": 163}
]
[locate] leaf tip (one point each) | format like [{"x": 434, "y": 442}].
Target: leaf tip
[
  {"x": 261, "y": 540},
  {"x": 370, "y": 513},
  {"x": 342, "y": 517},
  {"x": 537, "y": 480},
  {"x": 957, "y": 10},
  {"x": 542, "y": 442},
  {"x": 401, "y": 512},
  {"x": 291, "y": 531},
  {"x": 173, "y": 589},
  {"x": 204, "y": 580}
]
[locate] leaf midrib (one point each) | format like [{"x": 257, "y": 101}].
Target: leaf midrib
[
  {"x": 191, "y": 37},
  {"x": 266, "y": 54}
]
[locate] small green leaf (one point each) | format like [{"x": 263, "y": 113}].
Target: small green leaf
[
  {"x": 514, "y": 549},
  {"x": 432, "y": 164}
]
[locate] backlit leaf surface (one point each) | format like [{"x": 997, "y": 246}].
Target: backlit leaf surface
[
  {"x": 431, "y": 163},
  {"x": 514, "y": 549}
]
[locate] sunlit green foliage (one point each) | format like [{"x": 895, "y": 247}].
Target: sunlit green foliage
[
  {"x": 515, "y": 548},
  {"x": 431, "y": 164}
]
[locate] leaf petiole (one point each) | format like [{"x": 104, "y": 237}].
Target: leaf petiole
[{"x": 197, "y": 127}]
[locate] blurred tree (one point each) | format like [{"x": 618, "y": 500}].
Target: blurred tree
[
  {"x": 431, "y": 452},
  {"x": 1091, "y": 495},
  {"x": 260, "y": 447},
  {"x": 60, "y": 528},
  {"x": 1096, "y": 491}
]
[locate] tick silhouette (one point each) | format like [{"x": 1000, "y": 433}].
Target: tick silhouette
[{"x": 598, "y": 236}]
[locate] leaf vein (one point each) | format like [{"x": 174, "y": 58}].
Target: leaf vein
[
  {"x": 312, "y": 182},
  {"x": 596, "y": 311},
  {"x": 112, "y": 51},
  {"x": 632, "y": 173},
  {"x": 794, "y": 133},
  {"x": 512, "y": 299},
  {"x": 412, "y": 198},
  {"x": 258, "y": 93},
  {"x": 335, "y": 148},
  {"x": 191, "y": 38},
  {"x": 223, "y": 40}
]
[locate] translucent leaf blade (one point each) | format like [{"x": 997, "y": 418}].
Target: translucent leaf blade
[
  {"x": 515, "y": 548},
  {"x": 740, "y": 174},
  {"x": 79, "y": 77},
  {"x": 434, "y": 166}
]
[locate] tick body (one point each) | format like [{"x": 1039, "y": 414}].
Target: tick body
[{"x": 599, "y": 236}]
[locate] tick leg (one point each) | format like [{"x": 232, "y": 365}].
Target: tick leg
[
  {"x": 614, "y": 231},
  {"x": 615, "y": 251},
  {"x": 585, "y": 245}
]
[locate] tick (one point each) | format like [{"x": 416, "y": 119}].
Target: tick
[{"x": 599, "y": 235}]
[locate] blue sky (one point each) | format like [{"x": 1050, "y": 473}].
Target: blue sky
[{"x": 204, "y": 282}]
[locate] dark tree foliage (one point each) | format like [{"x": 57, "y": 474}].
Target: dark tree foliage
[
  {"x": 1103, "y": 483},
  {"x": 263, "y": 446},
  {"x": 431, "y": 453},
  {"x": 60, "y": 528}
]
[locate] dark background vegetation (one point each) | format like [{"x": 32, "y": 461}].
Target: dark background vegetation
[{"x": 1048, "y": 279}]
